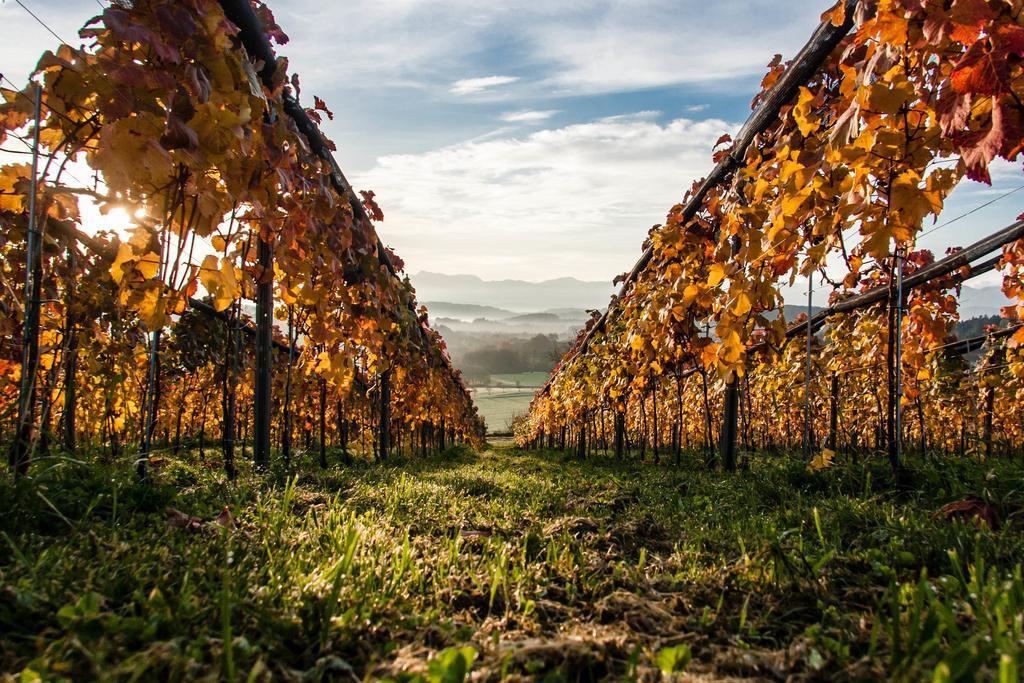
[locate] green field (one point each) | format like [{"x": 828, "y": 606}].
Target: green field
[
  {"x": 499, "y": 405},
  {"x": 522, "y": 379},
  {"x": 520, "y": 566}
]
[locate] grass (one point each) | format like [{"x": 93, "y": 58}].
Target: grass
[{"x": 513, "y": 566}]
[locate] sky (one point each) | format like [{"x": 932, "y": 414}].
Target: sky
[{"x": 530, "y": 140}]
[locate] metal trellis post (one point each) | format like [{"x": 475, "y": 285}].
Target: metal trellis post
[
  {"x": 808, "y": 445},
  {"x": 21, "y": 448},
  {"x": 899, "y": 358}
]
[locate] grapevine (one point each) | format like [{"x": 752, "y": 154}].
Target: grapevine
[
  {"x": 169, "y": 111},
  {"x": 853, "y": 161}
]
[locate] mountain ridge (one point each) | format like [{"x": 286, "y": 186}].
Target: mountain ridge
[
  {"x": 516, "y": 296},
  {"x": 468, "y": 297}
]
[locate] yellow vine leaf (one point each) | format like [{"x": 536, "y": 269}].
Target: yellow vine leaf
[
  {"x": 690, "y": 293},
  {"x": 803, "y": 114},
  {"x": 823, "y": 459},
  {"x": 716, "y": 273},
  {"x": 124, "y": 255},
  {"x": 912, "y": 202},
  {"x": 887, "y": 96},
  {"x": 742, "y": 305},
  {"x": 10, "y": 174},
  {"x": 220, "y": 281},
  {"x": 152, "y": 309},
  {"x": 732, "y": 348},
  {"x": 148, "y": 264}
]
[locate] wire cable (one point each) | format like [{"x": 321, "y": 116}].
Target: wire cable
[{"x": 41, "y": 22}]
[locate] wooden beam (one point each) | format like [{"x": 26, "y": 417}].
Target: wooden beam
[
  {"x": 944, "y": 266},
  {"x": 806, "y": 63}
]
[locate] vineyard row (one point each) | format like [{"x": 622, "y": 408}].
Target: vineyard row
[
  {"x": 192, "y": 127},
  {"x": 878, "y": 118}
]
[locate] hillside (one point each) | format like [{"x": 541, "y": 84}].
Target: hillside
[
  {"x": 465, "y": 312},
  {"x": 519, "y": 296}
]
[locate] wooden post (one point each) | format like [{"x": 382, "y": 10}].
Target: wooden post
[
  {"x": 655, "y": 436},
  {"x": 990, "y": 398},
  {"x": 604, "y": 438},
  {"x": 894, "y": 362},
  {"x": 264, "y": 323},
  {"x": 202, "y": 432},
  {"x": 620, "y": 432},
  {"x": 899, "y": 359},
  {"x": 808, "y": 427},
  {"x": 643, "y": 427},
  {"x": 730, "y": 415},
  {"x": 924, "y": 432},
  {"x": 346, "y": 423},
  {"x": 71, "y": 360},
  {"x": 323, "y": 423},
  {"x": 385, "y": 414},
  {"x": 708, "y": 438},
  {"x": 833, "y": 413},
  {"x": 286, "y": 432},
  {"x": 228, "y": 393},
  {"x": 149, "y": 405}
]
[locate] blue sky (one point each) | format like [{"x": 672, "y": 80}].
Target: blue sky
[{"x": 524, "y": 139}]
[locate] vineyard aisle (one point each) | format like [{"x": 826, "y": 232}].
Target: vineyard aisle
[
  {"x": 239, "y": 447},
  {"x": 526, "y": 564}
]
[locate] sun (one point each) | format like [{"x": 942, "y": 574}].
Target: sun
[{"x": 117, "y": 219}]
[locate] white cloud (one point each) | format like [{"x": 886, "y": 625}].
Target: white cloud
[
  {"x": 645, "y": 115},
  {"x": 576, "y": 200},
  {"x": 473, "y": 86},
  {"x": 602, "y": 46},
  {"x": 528, "y": 116}
]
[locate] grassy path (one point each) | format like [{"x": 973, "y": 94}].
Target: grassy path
[{"x": 546, "y": 568}]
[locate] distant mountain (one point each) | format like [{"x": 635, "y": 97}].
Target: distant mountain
[
  {"x": 571, "y": 313},
  {"x": 792, "y": 311},
  {"x": 974, "y": 302},
  {"x": 535, "y": 318},
  {"x": 542, "y": 306},
  {"x": 465, "y": 312},
  {"x": 518, "y": 296},
  {"x": 978, "y": 301},
  {"x": 975, "y": 327}
]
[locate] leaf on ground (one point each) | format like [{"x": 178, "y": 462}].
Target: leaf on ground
[
  {"x": 823, "y": 459},
  {"x": 673, "y": 659},
  {"x": 225, "y": 519},
  {"x": 978, "y": 511},
  {"x": 475, "y": 533},
  {"x": 176, "y": 519}
]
